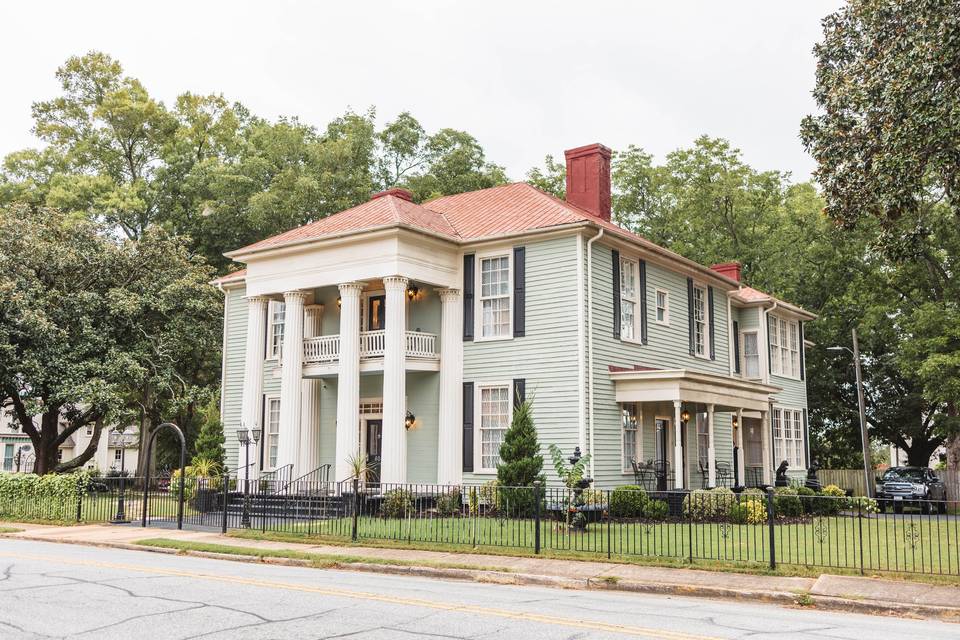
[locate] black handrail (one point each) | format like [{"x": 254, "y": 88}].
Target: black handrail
[{"x": 319, "y": 476}]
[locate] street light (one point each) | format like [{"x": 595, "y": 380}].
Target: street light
[
  {"x": 245, "y": 436},
  {"x": 125, "y": 439},
  {"x": 864, "y": 434}
]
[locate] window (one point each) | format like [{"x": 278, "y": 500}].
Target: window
[
  {"x": 700, "y": 321},
  {"x": 89, "y": 430},
  {"x": 631, "y": 441},
  {"x": 788, "y": 437},
  {"x": 663, "y": 307},
  {"x": 273, "y": 431},
  {"x": 495, "y": 297},
  {"x": 277, "y": 319},
  {"x": 784, "y": 347},
  {"x": 8, "y": 457},
  {"x": 118, "y": 456},
  {"x": 59, "y": 455},
  {"x": 703, "y": 441},
  {"x": 628, "y": 298},
  {"x": 495, "y": 408},
  {"x": 751, "y": 354}
]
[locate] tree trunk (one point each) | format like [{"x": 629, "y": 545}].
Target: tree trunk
[{"x": 953, "y": 442}]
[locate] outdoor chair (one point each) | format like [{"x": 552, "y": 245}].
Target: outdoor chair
[
  {"x": 643, "y": 475},
  {"x": 723, "y": 474},
  {"x": 661, "y": 469}
]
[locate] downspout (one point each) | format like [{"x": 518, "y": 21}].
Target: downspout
[{"x": 590, "y": 342}]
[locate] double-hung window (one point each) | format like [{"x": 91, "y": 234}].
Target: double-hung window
[
  {"x": 663, "y": 307},
  {"x": 273, "y": 431},
  {"x": 628, "y": 298},
  {"x": 495, "y": 297},
  {"x": 784, "y": 347},
  {"x": 751, "y": 354},
  {"x": 788, "y": 437},
  {"x": 700, "y": 329},
  {"x": 277, "y": 318},
  {"x": 495, "y": 415},
  {"x": 631, "y": 441}
]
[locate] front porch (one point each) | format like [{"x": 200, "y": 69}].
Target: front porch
[{"x": 694, "y": 430}]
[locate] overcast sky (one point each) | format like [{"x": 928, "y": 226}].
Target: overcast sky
[{"x": 525, "y": 78}]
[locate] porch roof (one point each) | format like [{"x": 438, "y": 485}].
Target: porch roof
[{"x": 668, "y": 385}]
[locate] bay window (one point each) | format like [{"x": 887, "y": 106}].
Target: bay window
[{"x": 788, "y": 437}]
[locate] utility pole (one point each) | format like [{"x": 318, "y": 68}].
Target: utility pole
[{"x": 864, "y": 434}]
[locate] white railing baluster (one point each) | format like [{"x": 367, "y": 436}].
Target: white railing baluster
[{"x": 325, "y": 349}]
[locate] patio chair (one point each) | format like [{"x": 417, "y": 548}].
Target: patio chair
[
  {"x": 723, "y": 474},
  {"x": 661, "y": 469},
  {"x": 643, "y": 474},
  {"x": 704, "y": 475}
]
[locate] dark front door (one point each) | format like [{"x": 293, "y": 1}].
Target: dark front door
[
  {"x": 661, "y": 465},
  {"x": 374, "y": 438},
  {"x": 375, "y": 315}
]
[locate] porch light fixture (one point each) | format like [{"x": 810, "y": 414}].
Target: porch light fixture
[
  {"x": 409, "y": 421},
  {"x": 412, "y": 292},
  {"x": 339, "y": 302},
  {"x": 685, "y": 416},
  {"x": 733, "y": 421}
]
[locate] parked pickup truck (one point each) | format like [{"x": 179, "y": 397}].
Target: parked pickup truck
[{"x": 914, "y": 486}]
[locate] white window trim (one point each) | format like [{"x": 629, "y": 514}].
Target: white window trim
[
  {"x": 800, "y": 443},
  {"x": 743, "y": 355},
  {"x": 638, "y": 450},
  {"x": 706, "y": 321},
  {"x": 477, "y": 419},
  {"x": 666, "y": 309},
  {"x": 270, "y": 310},
  {"x": 505, "y": 252},
  {"x": 776, "y": 355},
  {"x": 265, "y": 434}
]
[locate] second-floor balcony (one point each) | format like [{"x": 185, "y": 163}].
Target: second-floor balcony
[{"x": 322, "y": 353}]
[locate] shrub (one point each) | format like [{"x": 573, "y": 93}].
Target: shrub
[
  {"x": 786, "y": 503},
  {"x": 807, "y": 496},
  {"x": 749, "y": 510},
  {"x": 830, "y": 501},
  {"x": 520, "y": 462},
  {"x": 397, "y": 503},
  {"x": 487, "y": 496},
  {"x": 628, "y": 501},
  {"x": 189, "y": 486},
  {"x": 47, "y": 497},
  {"x": 211, "y": 438},
  {"x": 448, "y": 502},
  {"x": 592, "y": 498},
  {"x": 656, "y": 510},
  {"x": 708, "y": 504},
  {"x": 863, "y": 505}
]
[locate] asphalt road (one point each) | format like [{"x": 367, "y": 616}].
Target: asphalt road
[{"x": 66, "y": 591}]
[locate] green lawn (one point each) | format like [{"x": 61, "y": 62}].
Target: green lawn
[{"x": 917, "y": 544}]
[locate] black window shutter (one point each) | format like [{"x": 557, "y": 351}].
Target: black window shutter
[
  {"x": 467, "y": 426},
  {"x": 643, "y": 301},
  {"x": 616, "y": 293},
  {"x": 803, "y": 365},
  {"x": 710, "y": 315},
  {"x": 468, "y": 280},
  {"x": 693, "y": 348},
  {"x": 736, "y": 347},
  {"x": 519, "y": 392},
  {"x": 519, "y": 292}
]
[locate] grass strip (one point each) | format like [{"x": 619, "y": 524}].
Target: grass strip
[
  {"x": 10, "y": 530},
  {"x": 322, "y": 560}
]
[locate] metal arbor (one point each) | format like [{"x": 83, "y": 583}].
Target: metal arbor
[{"x": 183, "y": 465}]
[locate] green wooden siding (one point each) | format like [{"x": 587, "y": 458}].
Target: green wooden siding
[{"x": 235, "y": 324}]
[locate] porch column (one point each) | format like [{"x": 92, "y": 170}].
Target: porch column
[
  {"x": 678, "y": 481},
  {"x": 348, "y": 380},
  {"x": 711, "y": 450},
  {"x": 252, "y": 378},
  {"x": 449, "y": 442},
  {"x": 308, "y": 457},
  {"x": 393, "y": 464},
  {"x": 291, "y": 378},
  {"x": 765, "y": 440},
  {"x": 741, "y": 463}
]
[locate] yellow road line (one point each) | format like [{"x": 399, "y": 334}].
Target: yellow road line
[{"x": 376, "y": 597}]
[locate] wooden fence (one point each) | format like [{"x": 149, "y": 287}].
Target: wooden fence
[{"x": 854, "y": 479}]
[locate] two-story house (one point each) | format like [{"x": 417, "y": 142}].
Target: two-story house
[{"x": 407, "y": 333}]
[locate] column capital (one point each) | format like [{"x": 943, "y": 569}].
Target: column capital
[
  {"x": 677, "y": 404},
  {"x": 449, "y": 295},
  {"x": 258, "y": 300},
  {"x": 313, "y": 308},
  {"x": 395, "y": 282},
  {"x": 297, "y": 294},
  {"x": 350, "y": 288}
]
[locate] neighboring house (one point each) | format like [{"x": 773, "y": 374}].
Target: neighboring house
[
  {"x": 107, "y": 456},
  {"x": 407, "y": 332}
]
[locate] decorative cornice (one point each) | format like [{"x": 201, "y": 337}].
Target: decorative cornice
[
  {"x": 350, "y": 287},
  {"x": 264, "y": 300},
  {"x": 290, "y": 296},
  {"x": 395, "y": 282}
]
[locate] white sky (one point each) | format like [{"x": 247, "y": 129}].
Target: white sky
[{"x": 525, "y": 78}]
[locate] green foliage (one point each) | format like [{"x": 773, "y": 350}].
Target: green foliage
[
  {"x": 748, "y": 510},
  {"x": 520, "y": 462},
  {"x": 656, "y": 510},
  {"x": 708, "y": 504},
  {"x": 397, "y": 503},
  {"x": 862, "y": 505},
  {"x": 628, "y": 501},
  {"x": 48, "y": 497},
  {"x": 448, "y": 502},
  {"x": 786, "y": 503},
  {"x": 209, "y": 443},
  {"x": 570, "y": 475}
]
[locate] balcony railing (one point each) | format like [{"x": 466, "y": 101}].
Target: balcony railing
[{"x": 326, "y": 349}]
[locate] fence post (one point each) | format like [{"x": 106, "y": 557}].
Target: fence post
[
  {"x": 771, "y": 517},
  {"x": 226, "y": 492},
  {"x": 356, "y": 508},
  {"x": 609, "y": 525},
  {"x": 690, "y": 526},
  {"x": 536, "y": 516}
]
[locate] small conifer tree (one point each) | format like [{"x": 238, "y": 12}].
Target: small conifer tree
[
  {"x": 520, "y": 462},
  {"x": 210, "y": 440}
]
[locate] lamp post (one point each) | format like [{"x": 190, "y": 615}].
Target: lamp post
[
  {"x": 864, "y": 434},
  {"x": 245, "y": 436},
  {"x": 122, "y": 437}
]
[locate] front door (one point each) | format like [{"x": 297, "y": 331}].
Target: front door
[
  {"x": 753, "y": 452},
  {"x": 375, "y": 314},
  {"x": 374, "y": 437}
]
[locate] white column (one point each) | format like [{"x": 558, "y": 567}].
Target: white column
[
  {"x": 308, "y": 457},
  {"x": 741, "y": 462},
  {"x": 711, "y": 450},
  {"x": 348, "y": 380},
  {"x": 393, "y": 464},
  {"x": 253, "y": 377},
  {"x": 765, "y": 440},
  {"x": 291, "y": 378},
  {"x": 677, "y": 446},
  {"x": 450, "y": 440}
]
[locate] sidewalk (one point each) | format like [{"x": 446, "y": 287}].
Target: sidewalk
[{"x": 865, "y": 595}]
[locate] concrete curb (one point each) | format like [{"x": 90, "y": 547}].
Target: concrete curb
[{"x": 799, "y": 600}]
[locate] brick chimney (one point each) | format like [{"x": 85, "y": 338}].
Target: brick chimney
[
  {"x": 729, "y": 269},
  {"x": 588, "y": 179}
]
